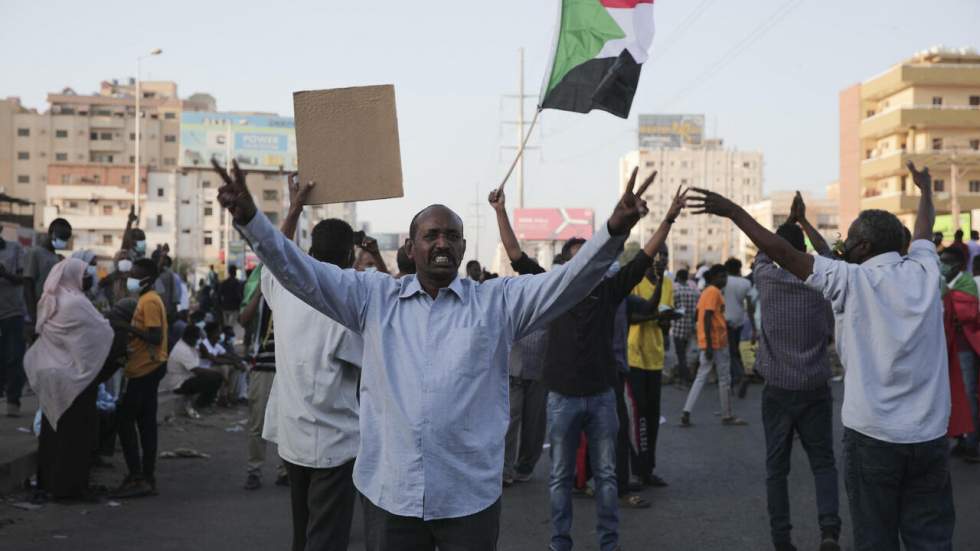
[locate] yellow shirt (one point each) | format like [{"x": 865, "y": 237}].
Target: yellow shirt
[
  {"x": 645, "y": 349},
  {"x": 143, "y": 356}
]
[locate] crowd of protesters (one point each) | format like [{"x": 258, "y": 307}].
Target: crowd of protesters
[{"x": 423, "y": 393}]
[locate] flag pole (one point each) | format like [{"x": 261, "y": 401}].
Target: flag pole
[{"x": 520, "y": 150}]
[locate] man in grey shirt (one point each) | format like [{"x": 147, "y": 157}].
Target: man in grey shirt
[{"x": 12, "y": 312}]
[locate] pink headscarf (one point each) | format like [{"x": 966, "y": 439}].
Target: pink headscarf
[{"x": 73, "y": 342}]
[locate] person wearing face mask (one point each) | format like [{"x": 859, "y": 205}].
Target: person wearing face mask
[
  {"x": 960, "y": 320},
  {"x": 113, "y": 286},
  {"x": 40, "y": 259},
  {"x": 896, "y": 409},
  {"x": 89, "y": 287},
  {"x": 146, "y": 366},
  {"x": 12, "y": 310},
  {"x": 135, "y": 245},
  {"x": 369, "y": 256}
]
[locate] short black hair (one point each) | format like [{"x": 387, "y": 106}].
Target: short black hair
[
  {"x": 958, "y": 234},
  {"x": 682, "y": 275},
  {"x": 974, "y": 235},
  {"x": 472, "y": 263},
  {"x": 954, "y": 252},
  {"x": 333, "y": 242},
  {"x": 136, "y": 231},
  {"x": 714, "y": 272},
  {"x": 734, "y": 266},
  {"x": 937, "y": 237},
  {"x": 211, "y": 327},
  {"x": 198, "y": 315},
  {"x": 191, "y": 335},
  {"x": 232, "y": 269},
  {"x": 59, "y": 224},
  {"x": 148, "y": 267},
  {"x": 566, "y": 249},
  {"x": 414, "y": 225},
  {"x": 792, "y": 234}
]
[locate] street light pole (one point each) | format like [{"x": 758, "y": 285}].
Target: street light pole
[{"x": 136, "y": 159}]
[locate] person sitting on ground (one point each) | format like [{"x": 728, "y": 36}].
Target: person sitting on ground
[
  {"x": 63, "y": 367},
  {"x": 197, "y": 387},
  {"x": 214, "y": 356},
  {"x": 890, "y": 337}
]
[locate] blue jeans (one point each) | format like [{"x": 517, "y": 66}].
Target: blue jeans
[
  {"x": 899, "y": 490},
  {"x": 568, "y": 417},
  {"x": 810, "y": 415},
  {"x": 12, "y": 348},
  {"x": 968, "y": 366}
]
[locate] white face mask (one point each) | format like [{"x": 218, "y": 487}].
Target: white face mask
[
  {"x": 59, "y": 244},
  {"x": 90, "y": 271},
  {"x": 125, "y": 265},
  {"x": 132, "y": 284},
  {"x": 200, "y": 325},
  {"x": 371, "y": 269}
]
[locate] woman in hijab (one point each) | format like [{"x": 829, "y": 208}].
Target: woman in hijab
[{"x": 64, "y": 367}]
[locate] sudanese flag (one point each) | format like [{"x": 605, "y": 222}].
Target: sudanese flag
[{"x": 599, "y": 49}]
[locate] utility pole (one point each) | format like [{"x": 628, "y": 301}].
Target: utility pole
[
  {"x": 520, "y": 123},
  {"x": 477, "y": 214}
]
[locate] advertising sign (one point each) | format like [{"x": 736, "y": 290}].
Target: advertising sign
[
  {"x": 258, "y": 142},
  {"x": 553, "y": 224},
  {"x": 670, "y": 131}
]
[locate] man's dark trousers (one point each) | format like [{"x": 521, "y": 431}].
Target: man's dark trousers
[
  {"x": 323, "y": 506},
  {"x": 384, "y": 531},
  {"x": 809, "y": 414},
  {"x": 899, "y": 490}
]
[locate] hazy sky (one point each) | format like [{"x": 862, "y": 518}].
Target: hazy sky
[{"x": 766, "y": 73}]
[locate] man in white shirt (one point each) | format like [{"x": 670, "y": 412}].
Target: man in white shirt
[
  {"x": 312, "y": 412},
  {"x": 890, "y": 337},
  {"x": 738, "y": 303},
  {"x": 186, "y": 378}
]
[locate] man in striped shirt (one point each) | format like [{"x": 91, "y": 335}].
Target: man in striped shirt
[{"x": 686, "y": 299}]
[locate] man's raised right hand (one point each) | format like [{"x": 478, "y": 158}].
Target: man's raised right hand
[
  {"x": 234, "y": 195},
  {"x": 631, "y": 206}
]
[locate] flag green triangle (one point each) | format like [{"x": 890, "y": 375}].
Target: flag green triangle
[{"x": 586, "y": 26}]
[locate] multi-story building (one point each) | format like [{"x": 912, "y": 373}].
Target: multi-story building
[
  {"x": 773, "y": 212},
  {"x": 925, "y": 109},
  {"x": 695, "y": 239},
  {"x": 76, "y": 161}
]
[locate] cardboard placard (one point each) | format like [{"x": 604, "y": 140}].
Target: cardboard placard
[{"x": 347, "y": 142}]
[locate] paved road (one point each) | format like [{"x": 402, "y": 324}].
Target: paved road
[{"x": 716, "y": 498}]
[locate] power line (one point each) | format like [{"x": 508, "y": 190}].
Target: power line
[{"x": 761, "y": 30}]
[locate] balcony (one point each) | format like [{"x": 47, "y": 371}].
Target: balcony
[
  {"x": 901, "y": 119},
  {"x": 903, "y": 76},
  {"x": 107, "y": 122},
  {"x": 117, "y": 144},
  {"x": 904, "y": 203}
]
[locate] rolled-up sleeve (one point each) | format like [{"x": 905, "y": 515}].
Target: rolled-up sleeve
[{"x": 831, "y": 278}]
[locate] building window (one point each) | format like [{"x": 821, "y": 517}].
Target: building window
[
  {"x": 682, "y": 248},
  {"x": 60, "y": 133},
  {"x": 975, "y": 145},
  {"x": 132, "y": 159},
  {"x": 869, "y": 113},
  {"x": 273, "y": 217},
  {"x": 159, "y": 220},
  {"x": 23, "y": 155},
  {"x": 169, "y": 138},
  {"x": 65, "y": 179},
  {"x": 746, "y": 164},
  {"x": 106, "y": 239},
  {"x": 270, "y": 195},
  {"x": 159, "y": 192},
  {"x": 205, "y": 184},
  {"x": 170, "y": 116},
  {"x": 61, "y": 156},
  {"x": 93, "y": 135},
  {"x": 105, "y": 136},
  {"x": 937, "y": 100},
  {"x": 937, "y": 144},
  {"x": 23, "y": 132},
  {"x": 169, "y": 161},
  {"x": 651, "y": 164},
  {"x": 126, "y": 179},
  {"x": 23, "y": 179},
  {"x": 207, "y": 238},
  {"x": 185, "y": 230},
  {"x": 974, "y": 186},
  {"x": 132, "y": 136},
  {"x": 939, "y": 186},
  {"x": 72, "y": 204},
  {"x": 208, "y": 208},
  {"x": 107, "y": 210}
]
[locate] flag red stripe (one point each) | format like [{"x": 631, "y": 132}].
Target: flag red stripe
[{"x": 629, "y": 4}]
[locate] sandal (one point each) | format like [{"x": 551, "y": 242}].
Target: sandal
[
  {"x": 633, "y": 501},
  {"x": 733, "y": 421}
]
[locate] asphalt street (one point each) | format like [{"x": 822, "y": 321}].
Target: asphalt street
[{"x": 715, "y": 501}]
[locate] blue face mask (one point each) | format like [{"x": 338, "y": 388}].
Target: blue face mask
[
  {"x": 59, "y": 244},
  {"x": 200, "y": 325},
  {"x": 132, "y": 284},
  {"x": 140, "y": 247}
]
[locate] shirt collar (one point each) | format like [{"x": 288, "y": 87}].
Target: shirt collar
[
  {"x": 883, "y": 259},
  {"x": 412, "y": 287}
]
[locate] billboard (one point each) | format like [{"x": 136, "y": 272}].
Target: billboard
[
  {"x": 553, "y": 224},
  {"x": 258, "y": 142},
  {"x": 944, "y": 225},
  {"x": 670, "y": 131}
]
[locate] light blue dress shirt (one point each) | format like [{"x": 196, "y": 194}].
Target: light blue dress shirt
[
  {"x": 891, "y": 340},
  {"x": 434, "y": 386}
]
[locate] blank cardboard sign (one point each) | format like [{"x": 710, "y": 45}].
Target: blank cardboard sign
[{"x": 347, "y": 142}]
